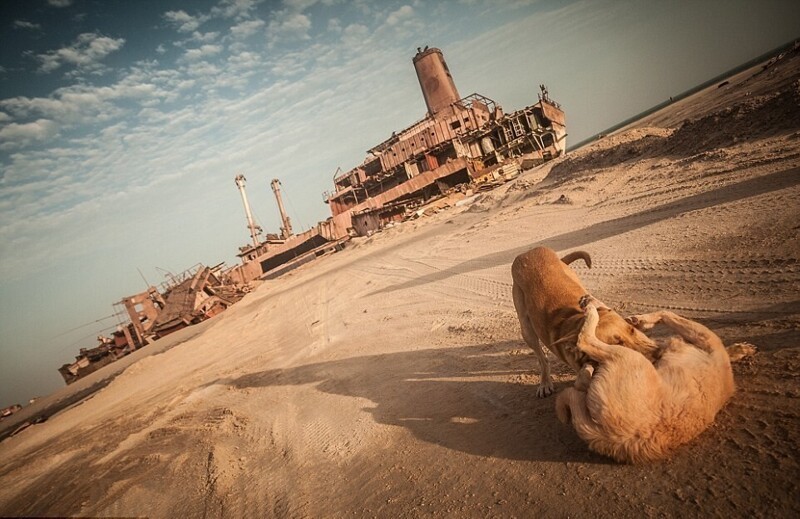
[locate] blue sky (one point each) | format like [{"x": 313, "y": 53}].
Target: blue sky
[{"x": 123, "y": 123}]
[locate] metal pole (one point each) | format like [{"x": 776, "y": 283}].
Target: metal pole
[
  {"x": 240, "y": 180},
  {"x": 286, "y": 230}
]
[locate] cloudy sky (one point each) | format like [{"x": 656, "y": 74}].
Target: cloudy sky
[{"x": 123, "y": 123}]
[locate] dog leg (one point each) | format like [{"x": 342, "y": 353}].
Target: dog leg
[
  {"x": 692, "y": 332},
  {"x": 564, "y": 402},
  {"x": 588, "y": 342},
  {"x": 532, "y": 340},
  {"x": 584, "y": 377},
  {"x": 571, "y": 408},
  {"x": 546, "y": 383}
]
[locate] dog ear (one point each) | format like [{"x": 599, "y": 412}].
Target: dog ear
[{"x": 572, "y": 338}]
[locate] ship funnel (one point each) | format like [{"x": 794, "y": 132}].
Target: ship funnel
[{"x": 437, "y": 84}]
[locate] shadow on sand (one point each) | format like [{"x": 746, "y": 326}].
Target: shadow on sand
[{"x": 442, "y": 397}]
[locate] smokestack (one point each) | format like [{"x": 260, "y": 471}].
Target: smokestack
[
  {"x": 286, "y": 230},
  {"x": 254, "y": 229},
  {"x": 437, "y": 84}
]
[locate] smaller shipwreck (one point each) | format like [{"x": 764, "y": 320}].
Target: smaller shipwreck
[
  {"x": 90, "y": 360},
  {"x": 190, "y": 297},
  {"x": 196, "y": 296}
]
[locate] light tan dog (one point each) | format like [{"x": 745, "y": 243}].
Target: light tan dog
[
  {"x": 546, "y": 293},
  {"x": 635, "y": 411}
]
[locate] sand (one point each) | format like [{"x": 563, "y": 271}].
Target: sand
[{"x": 390, "y": 379}]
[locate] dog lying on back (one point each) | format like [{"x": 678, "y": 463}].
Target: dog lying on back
[
  {"x": 546, "y": 293},
  {"x": 635, "y": 411}
]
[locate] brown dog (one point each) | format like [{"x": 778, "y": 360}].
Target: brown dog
[
  {"x": 634, "y": 411},
  {"x": 546, "y": 293}
]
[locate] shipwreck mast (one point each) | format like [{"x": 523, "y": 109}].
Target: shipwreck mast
[
  {"x": 286, "y": 229},
  {"x": 254, "y": 229}
]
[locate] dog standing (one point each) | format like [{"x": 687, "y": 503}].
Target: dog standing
[
  {"x": 635, "y": 411},
  {"x": 546, "y": 293}
]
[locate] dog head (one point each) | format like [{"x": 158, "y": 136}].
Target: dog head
[{"x": 614, "y": 329}]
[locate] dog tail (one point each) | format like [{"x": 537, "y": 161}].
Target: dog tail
[{"x": 578, "y": 254}]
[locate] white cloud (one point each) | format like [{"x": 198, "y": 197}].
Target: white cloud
[
  {"x": 14, "y": 135},
  {"x": 183, "y": 21},
  {"x": 299, "y": 5},
  {"x": 204, "y": 37},
  {"x": 203, "y": 52},
  {"x": 246, "y": 28},
  {"x": 59, "y": 3},
  {"x": 244, "y": 61},
  {"x": 288, "y": 26},
  {"x": 85, "y": 53},
  {"x": 404, "y": 23},
  {"x": 335, "y": 25},
  {"x": 404, "y": 13},
  {"x": 83, "y": 104},
  {"x": 203, "y": 69},
  {"x": 354, "y": 34},
  {"x": 288, "y": 65},
  {"x": 297, "y": 24},
  {"x": 23, "y": 24},
  {"x": 234, "y": 8}
]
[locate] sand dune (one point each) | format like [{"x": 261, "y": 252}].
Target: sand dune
[{"x": 390, "y": 379}]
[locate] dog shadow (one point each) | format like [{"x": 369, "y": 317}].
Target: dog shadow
[{"x": 475, "y": 399}]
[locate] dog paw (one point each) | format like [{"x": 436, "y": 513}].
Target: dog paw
[
  {"x": 741, "y": 350},
  {"x": 545, "y": 389},
  {"x": 644, "y": 322},
  {"x": 589, "y": 299},
  {"x": 640, "y": 322}
]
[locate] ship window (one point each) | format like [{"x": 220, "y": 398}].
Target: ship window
[{"x": 455, "y": 125}]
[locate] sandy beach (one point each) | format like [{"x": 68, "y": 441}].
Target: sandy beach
[{"x": 391, "y": 380}]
